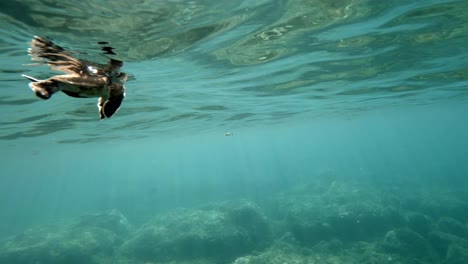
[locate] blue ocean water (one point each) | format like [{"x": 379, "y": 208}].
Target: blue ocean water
[{"x": 272, "y": 131}]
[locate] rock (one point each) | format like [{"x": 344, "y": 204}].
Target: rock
[
  {"x": 452, "y": 226},
  {"x": 216, "y": 234},
  {"x": 330, "y": 246},
  {"x": 364, "y": 221},
  {"x": 82, "y": 242},
  {"x": 343, "y": 211},
  {"x": 369, "y": 253},
  {"x": 111, "y": 220},
  {"x": 456, "y": 255},
  {"x": 310, "y": 233},
  {"x": 406, "y": 242},
  {"x": 248, "y": 216},
  {"x": 437, "y": 203},
  {"x": 280, "y": 253},
  {"x": 441, "y": 242},
  {"x": 419, "y": 223},
  {"x": 243, "y": 260}
]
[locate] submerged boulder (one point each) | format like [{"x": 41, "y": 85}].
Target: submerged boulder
[
  {"x": 92, "y": 239},
  {"x": 342, "y": 210},
  {"x": 452, "y": 226},
  {"x": 218, "y": 234},
  {"x": 434, "y": 202},
  {"x": 420, "y": 223},
  {"x": 456, "y": 255},
  {"x": 283, "y": 251},
  {"x": 405, "y": 242},
  {"x": 441, "y": 242}
]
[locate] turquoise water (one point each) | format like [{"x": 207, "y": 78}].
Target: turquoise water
[{"x": 348, "y": 142}]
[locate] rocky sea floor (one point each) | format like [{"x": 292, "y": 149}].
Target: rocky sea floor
[{"x": 327, "y": 220}]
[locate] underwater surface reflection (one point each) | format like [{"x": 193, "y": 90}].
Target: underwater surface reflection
[{"x": 280, "y": 60}]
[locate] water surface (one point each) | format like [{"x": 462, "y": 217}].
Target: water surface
[{"x": 204, "y": 65}]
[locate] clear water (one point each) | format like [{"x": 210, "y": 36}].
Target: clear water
[{"x": 341, "y": 112}]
